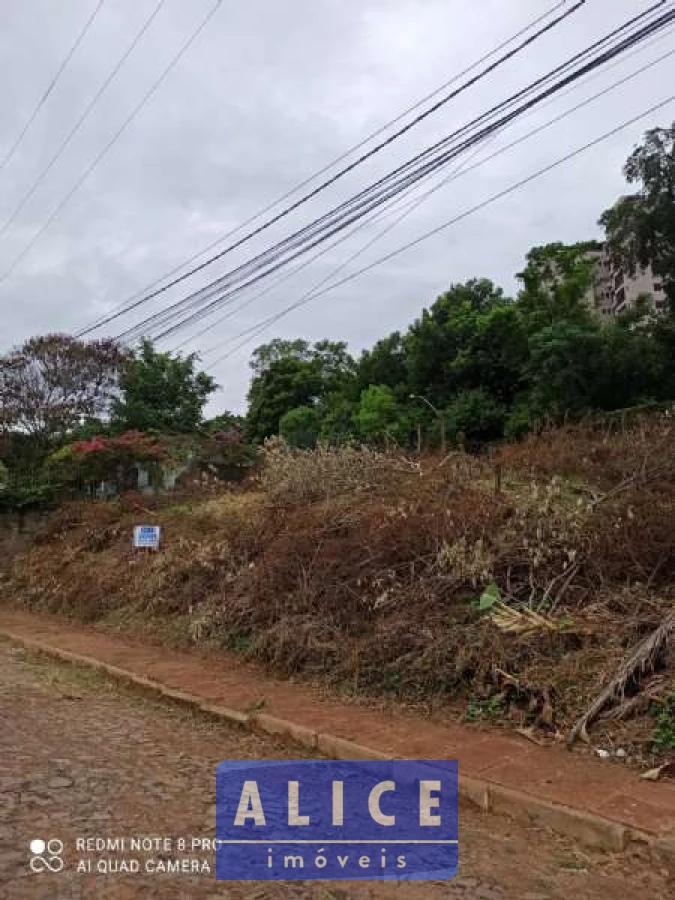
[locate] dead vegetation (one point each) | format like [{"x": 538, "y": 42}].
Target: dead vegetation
[{"x": 520, "y": 597}]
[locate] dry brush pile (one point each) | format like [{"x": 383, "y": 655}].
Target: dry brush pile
[{"x": 517, "y": 583}]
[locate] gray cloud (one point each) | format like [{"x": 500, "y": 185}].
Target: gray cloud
[{"x": 273, "y": 90}]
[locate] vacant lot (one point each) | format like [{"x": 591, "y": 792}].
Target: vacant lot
[{"x": 504, "y": 589}]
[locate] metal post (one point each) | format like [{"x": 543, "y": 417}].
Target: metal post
[{"x": 439, "y": 415}]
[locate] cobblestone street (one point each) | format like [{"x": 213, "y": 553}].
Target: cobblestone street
[{"x": 83, "y": 758}]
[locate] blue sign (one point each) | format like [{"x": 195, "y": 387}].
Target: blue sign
[
  {"x": 147, "y": 536},
  {"x": 333, "y": 820}
]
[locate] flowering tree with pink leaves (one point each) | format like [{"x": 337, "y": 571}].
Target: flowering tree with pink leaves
[{"x": 108, "y": 459}]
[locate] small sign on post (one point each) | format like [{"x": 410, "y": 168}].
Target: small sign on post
[{"x": 147, "y": 536}]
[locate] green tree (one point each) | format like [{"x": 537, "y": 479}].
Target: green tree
[
  {"x": 300, "y": 427},
  {"x": 565, "y": 359},
  {"x": 266, "y": 355},
  {"x": 470, "y": 339},
  {"x": 224, "y": 421},
  {"x": 292, "y": 374},
  {"x": 439, "y": 344},
  {"x": 640, "y": 228},
  {"x": 476, "y": 415},
  {"x": 337, "y": 418},
  {"x": 495, "y": 354},
  {"x": 631, "y": 366},
  {"x": 334, "y": 365},
  {"x": 385, "y": 364},
  {"x": 162, "y": 392},
  {"x": 556, "y": 281},
  {"x": 380, "y": 418},
  {"x": 286, "y": 383}
]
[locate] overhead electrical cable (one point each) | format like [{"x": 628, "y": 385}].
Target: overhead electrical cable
[
  {"x": 343, "y": 215},
  {"x": 480, "y": 206},
  {"x": 350, "y": 167},
  {"x": 116, "y": 136},
  {"x": 52, "y": 84},
  {"x": 407, "y": 208},
  {"x": 82, "y": 119},
  {"x": 338, "y": 159},
  {"x": 387, "y": 187},
  {"x": 411, "y": 206}
]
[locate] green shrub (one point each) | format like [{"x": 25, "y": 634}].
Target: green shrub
[
  {"x": 518, "y": 422},
  {"x": 28, "y": 494},
  {"x": 300, "y": 427},
  {"x": 476, "y": 415},
  {"x": 664, "y": 732}
]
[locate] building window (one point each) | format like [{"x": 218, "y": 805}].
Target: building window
[{"x": 658, "y": 286}]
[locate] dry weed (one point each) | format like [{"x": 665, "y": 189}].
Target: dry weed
[{"x": 366, "y": 571}]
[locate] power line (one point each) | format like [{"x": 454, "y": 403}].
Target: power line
[
  {"x": 366, "y": 200},
  {"x": 338, "y": 159},
  {"x": 387, "y": 187},
  {"x": 80, "y": 122},
  {"x": 52, "y": 85},
  {"x": 410, "y": 207},
  {"x": 87, "y": 172},
  {"x": 359, "y": 227},
  {"x": 462, "y": 171},
  {"x": 341, "y": 212},
  {"x": 480, "y": 206},
  {"x": 342, "y": 172},
  {"x": 376, "y": 194}
]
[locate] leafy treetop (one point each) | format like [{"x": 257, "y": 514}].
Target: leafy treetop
[{"x": 162, "y": 392}]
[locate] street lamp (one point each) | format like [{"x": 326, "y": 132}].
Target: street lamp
[{"x": 437, "y": 413}]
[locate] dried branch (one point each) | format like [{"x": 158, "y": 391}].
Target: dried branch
[{"x": 642, "y": 658}]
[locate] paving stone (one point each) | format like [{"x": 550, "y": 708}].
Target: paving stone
[{"x": 60, "y": 781}]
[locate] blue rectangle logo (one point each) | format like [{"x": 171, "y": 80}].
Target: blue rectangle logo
[{"x": 333, "y": 820}]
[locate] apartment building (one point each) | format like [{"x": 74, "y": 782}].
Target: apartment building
[{"x": 614, "y": 291}]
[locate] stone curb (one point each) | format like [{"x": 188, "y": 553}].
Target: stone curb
[{"x": 589, "y": 830}]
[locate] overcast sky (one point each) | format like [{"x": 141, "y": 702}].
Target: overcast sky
[{"x": 271, "y": 91}]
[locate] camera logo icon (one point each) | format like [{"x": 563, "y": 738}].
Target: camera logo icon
[{"x": 46, "y": 856}]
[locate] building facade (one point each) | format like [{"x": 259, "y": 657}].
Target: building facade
[{"x": 614, "y": 291}]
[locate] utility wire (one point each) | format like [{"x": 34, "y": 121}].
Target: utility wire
[
  {"x": 338, "y": 159},
  {"x": 345, "y": 213},
  {"x": 80, "y": 122},
  {"x": 341, "y": 213},
  {"x": 344, "y": 220},
  {"x": 104, "y": 152},
  {"x": 407, "y": 207},
  {"x": 411, "y": 207},
  {"x": 485, "y": 203},
  {"x": 52, "y": 85},
  {"x": 350, "y": 167},
  {"x": 382, "y": 213}
]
